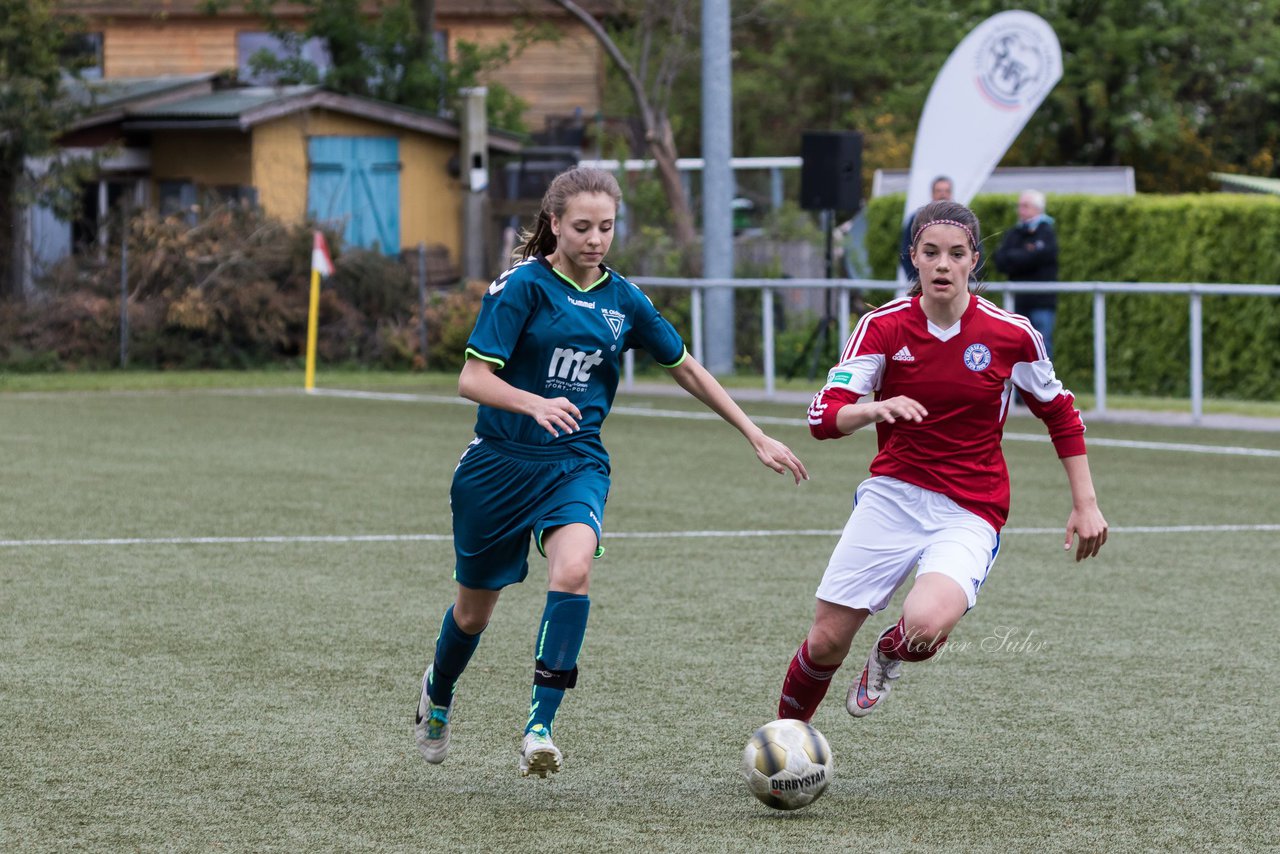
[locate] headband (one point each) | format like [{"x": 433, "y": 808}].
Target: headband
[{"x": 972, "y": 243}]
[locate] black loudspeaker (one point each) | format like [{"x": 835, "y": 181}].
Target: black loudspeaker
[{"x": 831, "y": 175}]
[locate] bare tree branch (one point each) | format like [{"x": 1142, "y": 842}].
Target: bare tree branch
[{"x": 657, "y": 129}]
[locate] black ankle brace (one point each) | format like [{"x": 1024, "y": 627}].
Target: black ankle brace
[{"x": 561, "y": 680}]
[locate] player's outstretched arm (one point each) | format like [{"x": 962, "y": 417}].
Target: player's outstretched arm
[
  {"x": 478, "y": 382},
  {"x": 858, "y": 415},
  {"x": 699, "y": 382},
  {"x": 1085, "y": 521}
]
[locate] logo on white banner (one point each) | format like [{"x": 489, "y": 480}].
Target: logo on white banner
[{"x": 1014, "y": 66}]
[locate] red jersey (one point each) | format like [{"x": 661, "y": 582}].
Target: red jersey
[{"x": 964, "y": 377}]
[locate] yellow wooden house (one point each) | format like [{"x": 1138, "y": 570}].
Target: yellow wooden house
[
  {"x": 386, "y": 176},
  {"x": 146, "y": 38}
]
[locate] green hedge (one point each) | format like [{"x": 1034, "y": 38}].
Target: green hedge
[{"x": 1186, "y": 238}]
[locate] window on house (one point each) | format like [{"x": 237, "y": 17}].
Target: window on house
[
  {"x": 178, "y": 197},
  {"x": 238, "y": 194},
  {"x": 83, "y": 53},
  {"x": 285, "y": 58},
  {"x": 100, "y": 201}
]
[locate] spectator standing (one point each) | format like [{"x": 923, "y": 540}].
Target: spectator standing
[
  {"x": 941, "y": 190},
  {"x": 1029, "y": 253}
]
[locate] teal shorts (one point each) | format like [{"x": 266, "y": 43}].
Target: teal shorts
[{"x": 504, "y": 493}]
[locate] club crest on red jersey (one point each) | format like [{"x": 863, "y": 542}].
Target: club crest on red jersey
[{"x": 977, "y": 357}]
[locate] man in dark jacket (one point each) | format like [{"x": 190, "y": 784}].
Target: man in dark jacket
[
  {"x": 940, "y": 190},
  {"x": 1029, "y": 253}
]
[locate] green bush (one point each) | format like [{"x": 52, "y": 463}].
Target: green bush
[
  {"x": 1186, "y": 238},
  {"x": 229, "y": 291}
]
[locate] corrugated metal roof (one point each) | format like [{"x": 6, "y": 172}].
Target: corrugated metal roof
[
  {"x": 115, "y": 91},
  {"x": 244, "y": 107},
  {"x": 1248, "y": 183},
  {"x": 201, "y": 8},
  {"x": 1090, "y": 180},
  {"x": 225, "y": 104}
]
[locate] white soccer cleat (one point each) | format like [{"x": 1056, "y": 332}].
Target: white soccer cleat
[
  {"x": 538, "y": 755},
  {"x": 876, "y": 682},
  {"x": 431, "y": 726}
]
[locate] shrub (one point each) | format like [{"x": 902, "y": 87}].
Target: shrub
[
  {"x": 230, "y": 291},
  {"x": 1184, "y": 238}
]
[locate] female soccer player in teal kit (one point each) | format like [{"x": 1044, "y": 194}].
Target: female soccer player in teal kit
[{"x": 543, "y": 364}]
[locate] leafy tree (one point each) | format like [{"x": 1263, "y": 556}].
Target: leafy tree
[
  {"x": 824, "y": 64},
  {"x": 34, "y": 110},
  {"x": 1175, "y": 88},
  {"x": 389, "y": 55},
  {"x": 660, "y": 36}
]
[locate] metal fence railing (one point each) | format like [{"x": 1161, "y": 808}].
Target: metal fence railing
[{"x": 1195, "y": 292}]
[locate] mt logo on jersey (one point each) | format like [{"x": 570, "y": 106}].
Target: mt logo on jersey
[{"x": 572, "y": 365}]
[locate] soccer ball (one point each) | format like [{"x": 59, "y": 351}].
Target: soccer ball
[{"x": 787, "y": 764}]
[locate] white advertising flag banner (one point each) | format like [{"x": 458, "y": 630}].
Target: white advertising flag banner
[{"x": 983, "y": 96}]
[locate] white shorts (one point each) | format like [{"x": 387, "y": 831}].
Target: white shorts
[{"x": 896, "y": 526}]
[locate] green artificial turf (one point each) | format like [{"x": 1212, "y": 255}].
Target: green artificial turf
[{"x": 164, "y": 692}]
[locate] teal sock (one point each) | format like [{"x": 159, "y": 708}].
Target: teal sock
[
  {"x": 563, "y": 626},
  {"x": 453, "y": 650}
]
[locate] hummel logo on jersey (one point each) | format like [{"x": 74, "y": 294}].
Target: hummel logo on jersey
[
  {"x": 581, "y": 303},
  {"x": 903, "y": 355}
]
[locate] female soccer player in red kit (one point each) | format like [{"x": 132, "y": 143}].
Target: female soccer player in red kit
[{"x": 942, "y": 363}]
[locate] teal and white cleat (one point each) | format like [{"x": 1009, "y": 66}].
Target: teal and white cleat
[
  {"x": 431, "y": 726},
  {"x": 538, "y": 755}
]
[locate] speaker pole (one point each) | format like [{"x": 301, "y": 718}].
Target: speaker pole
[
  {"x": 829, "y": 226},
  {"x": 821, "y": 329}
]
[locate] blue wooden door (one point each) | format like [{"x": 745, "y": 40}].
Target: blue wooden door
[{"x": 354, "y": 181}]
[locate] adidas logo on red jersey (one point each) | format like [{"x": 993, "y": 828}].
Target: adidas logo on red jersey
[{"x": 903, "y": 355}]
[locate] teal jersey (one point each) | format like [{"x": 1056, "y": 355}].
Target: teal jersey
[{"x": 549, "y": 337}]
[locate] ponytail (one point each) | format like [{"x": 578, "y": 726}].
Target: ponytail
[{"x": 540, "y": 240}]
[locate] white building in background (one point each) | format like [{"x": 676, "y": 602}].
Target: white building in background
[{"x": 1088, "y": 180}]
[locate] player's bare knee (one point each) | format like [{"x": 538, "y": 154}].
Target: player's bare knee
[
  {"x": 828, "y": 645},
  {"x": 473, "y": 620},
  {"x": 571, "y": 575},
  {"x": 925, "y": 630},
  {"x": 472, "y": 609}
]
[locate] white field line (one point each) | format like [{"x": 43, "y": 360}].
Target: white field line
[
  {"x": 1178, "y": 447},
  {"x": 648, "y": 412},
  {"x": 651, "y": 412},
  {"x": 643, "y": 411},
  {"x": 610, "y": 535}
]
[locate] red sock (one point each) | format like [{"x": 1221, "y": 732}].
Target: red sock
[
  {"x": 805, "y": 686},
  {"x": 895, "y": 644}
]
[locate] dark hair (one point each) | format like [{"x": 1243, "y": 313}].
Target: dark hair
[
  {"x": 569, "y": 183},
  {"x": 948, "y": 212}
]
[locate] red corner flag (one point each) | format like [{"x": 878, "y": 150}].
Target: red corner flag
[{"x": 320, "y": 260}]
